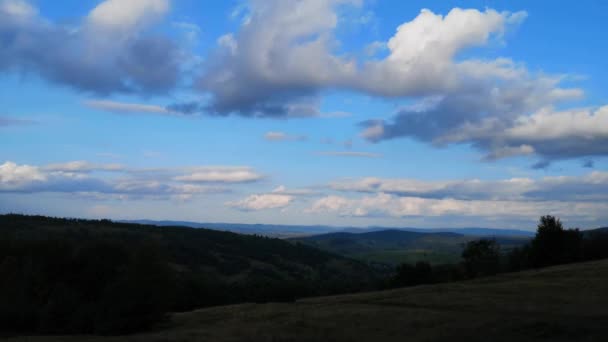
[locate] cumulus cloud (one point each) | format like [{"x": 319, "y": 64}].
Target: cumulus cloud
[
  {"x": 477, "y": 102},
  {"x": 282, "y": 136},
  {"x": 264, "y": 68},
  {"x": 561, "y": 134},
  {"x": 110, "y": 50},
  {"x": 277, "y": 60},
  {"x": 13, "y": 175},
  {"x": 471, "y": 116},
  {"x": 91, "y": 180},
  {"x": 261, "y": 202},
  {"x": 547, "y": 133}
]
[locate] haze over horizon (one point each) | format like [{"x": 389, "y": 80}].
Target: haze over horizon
[{"x": 338, "y": 112}]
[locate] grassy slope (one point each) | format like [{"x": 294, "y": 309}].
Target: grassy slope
[
  {"x": 564, "y": 303},
  {"x": 395, "y": 246}
]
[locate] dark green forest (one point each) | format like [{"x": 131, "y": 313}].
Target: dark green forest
[
  {"x": 97, "y": 276},
  {"x": 61, "y": 276}
]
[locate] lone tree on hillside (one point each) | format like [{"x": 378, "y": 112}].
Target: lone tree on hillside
[{"x": 555, "y": 245}]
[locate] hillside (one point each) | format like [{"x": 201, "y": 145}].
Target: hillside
[
  {"x": 286, "y": 231},
  {"x": 272, "y": 230},
  {"x": 96, "y": 266},
  {"x": 562, "y": 303},
  {"x": 397, "y": 246}
]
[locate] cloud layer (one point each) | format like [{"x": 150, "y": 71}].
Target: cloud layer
[
  {"x": 261, "y": 202},
  {"x": 590, "y": 187},
  {"x": 385, "y": 205},
  {"x": 581, "y": 197},
  {"x": 103, "y": 181}
]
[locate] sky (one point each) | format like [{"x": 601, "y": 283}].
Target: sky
[{"x": 332, "y": 112}]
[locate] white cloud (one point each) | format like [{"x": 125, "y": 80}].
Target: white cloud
[
  {"x": 262, "y": 201},
  {"x": 584, "y": 123},
  {"x": 420, "y": 59},
  {"x": 13, "y": 175},
  {"x": 550, "y": 134},
  {"x": 297, "y": 34},
  {"x": 421, "y": 52},
  {"x": 125, "y": 17},
  {"x": 472, "y": 96},
  {"x": 80, "y": 178},
  {"x": 108, "y": 51},
  {"x": 220, "y": 175}
]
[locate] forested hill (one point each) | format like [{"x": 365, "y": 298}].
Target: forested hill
[
  {"x": 394, "y": 246},
  {"x": 98, "y": 268}
]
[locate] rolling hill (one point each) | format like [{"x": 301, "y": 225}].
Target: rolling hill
[
  {"x": 229, "y": 256},
  {"x": 286, "y": 231},
  {"x": 62, "y": 275},
  {"x": 397, "y": 246},
  {"x": 543, "y": 305}
]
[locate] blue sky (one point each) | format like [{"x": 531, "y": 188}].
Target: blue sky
[{"x": 396, "y": 113}]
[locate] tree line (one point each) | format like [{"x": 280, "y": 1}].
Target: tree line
[{"x": 552, "y": 245}]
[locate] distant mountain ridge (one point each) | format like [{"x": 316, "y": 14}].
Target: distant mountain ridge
[{"x": 307, "y": 230}]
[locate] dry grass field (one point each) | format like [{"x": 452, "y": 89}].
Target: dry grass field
[{"x": 563, "y": 303}]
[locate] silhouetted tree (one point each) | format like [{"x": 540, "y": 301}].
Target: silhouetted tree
[
  {"x": 409, "y": 275},
  {"x": 481, "y": 257},
  {"x": 595, "y": 245},
  {"x": 554, "y": 245},
  {"x": 519, "y": 258}
]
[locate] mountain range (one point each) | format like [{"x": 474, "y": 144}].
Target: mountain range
[{"x": 285, "y": 231}]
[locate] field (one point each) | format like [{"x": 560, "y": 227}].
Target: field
[{"x": 563, "y": 303}]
